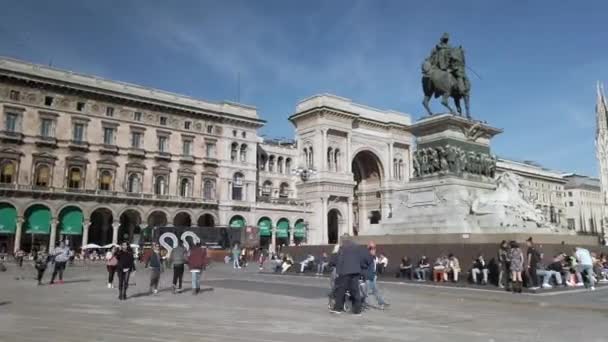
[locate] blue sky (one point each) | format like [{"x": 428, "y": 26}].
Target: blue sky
[{"x": 538, "y": 60}]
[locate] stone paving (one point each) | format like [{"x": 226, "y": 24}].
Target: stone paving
[{"x": 245, "y": 305}]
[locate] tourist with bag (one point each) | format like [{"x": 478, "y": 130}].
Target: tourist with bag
[{"x": 40, "y": 263}]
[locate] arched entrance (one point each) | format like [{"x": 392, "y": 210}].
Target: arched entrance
[
  {"x": 37, "y": 227},
  {"x": 299, "y": 232},
  {"x": 100, "y": 231},
  {"x": 157, "y": 219},
  {"x": 367, "y": 198},
  {"x": 182, "y": 220},
  {"x": 265, "y": 229},
  {"x": 70, "y": 226},
  {"x": 8, "y": 226},
  {"x": 130, "y": 229},
  {"x": 333, "y": 223},
  {"x": 206, "y": 220},
  {"x": 283, "y": 232}
]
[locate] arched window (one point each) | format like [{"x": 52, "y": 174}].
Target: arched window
[
  {"x": 401, "y": 171},
  {"x": 330, "y": 155},
  {"x": 42, "y": 175},
  {"x": 271, "y": 163},
  {"x": 262, "y": 162},
  {"x": 234, "y": 150},
  {"x": 160, "y": 185},
  {"x": 134, "y": 183},
  {"x": 284, "y": 190},
  {"x": 288, "y": 165},
  {"x": 310, "y": 161},
  {"x": 244, "y": 153},
  {"x": 237, "y": 187},
  {"x": 105, "y": 180},
  {"x": 7, "y": 172},
  {"x": 336, "y": 160},
  {"x": 305, "y": 156},
  {"x": 74, "y": 178},
  {"x": 267, "y": 188},
  {"x": 209, "y": 190},
  {"x": 395, "y": 169},
  {"x": 185, "y": 187},
  {"x": 280, "y": 165}
]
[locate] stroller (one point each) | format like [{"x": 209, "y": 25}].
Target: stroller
[{"x": 348, "y": 301}]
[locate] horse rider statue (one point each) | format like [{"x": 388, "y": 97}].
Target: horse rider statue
[{"x": 443, "y": 74}]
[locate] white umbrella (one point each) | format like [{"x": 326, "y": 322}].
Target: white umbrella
[
  {"x": 110, "y": 245},
  {"x": 134, "y": 245},
  {"x": 91, "y": 246}
]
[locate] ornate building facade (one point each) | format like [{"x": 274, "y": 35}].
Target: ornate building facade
[{"x": 584, "y": 204}]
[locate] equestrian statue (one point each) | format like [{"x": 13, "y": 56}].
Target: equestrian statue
[{"x": 443, "y": 74}]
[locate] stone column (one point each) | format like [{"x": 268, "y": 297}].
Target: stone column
[
  {"x": 291, "y": 230},
  {"x": 115, "y": 226},
  {"x": 391, "y": 169},
  {"x": 85, "y": 232},
  {"x": 323, "y": 151},
  {"x": 53, "y": 236},
  {"x": 18, "y": 231},
  {"x": 349, "y": 216},
  {"x": 324, "y": 221},
  {"x": 348, "y": 159},
  {"x": 273, "y": 239}
]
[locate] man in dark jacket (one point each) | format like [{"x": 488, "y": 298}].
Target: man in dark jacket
[
  {"x": 155, "y": 262},
  {"x": 352, "y": 259},
  {"x": 178, "y": 259},
  {"x": 197, "y": 262}
]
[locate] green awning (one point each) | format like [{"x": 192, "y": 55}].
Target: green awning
[
  {"x": 237, "y": 222},
  {"x": 283, "y": 229},
  {"x": 38, "y": 220},
  {"x": 8, "y": 219},
  {"x": 299, "y": 229},
  {"x": 265, "y": 226},
  {"x": 71, "y": 221}
]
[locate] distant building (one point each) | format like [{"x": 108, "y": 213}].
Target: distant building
[{"x": 584, "y": 204}]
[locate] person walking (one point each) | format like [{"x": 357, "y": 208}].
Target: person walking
[
  {"x": 124, "y": 266},
  {"x": 516, "y": 266},
  {"x": 533, "y": 261},
  {"x": 197, "y": 261},
  {"x": 236, "y": 254},
  {"x": 372, "y": 275},
  {"x": 111, "y": 262},
  {"x": 503, "y": 264},
  {"x": 178, "y": 259},
  {"x": 155, "y": 263},
  {"x": 351, "y": 258},
  {"x": 40, "y": 263},
  {"x": 61, "y": 255}
]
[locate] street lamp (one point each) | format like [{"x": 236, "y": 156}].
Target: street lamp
[{"x": 304, "y": 174}]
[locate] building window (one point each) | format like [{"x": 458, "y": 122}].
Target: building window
[
  {"x": 284, "y": 190},
  {"x": 185, "y": 187},
  {"x": 234, "y": 133},
  {"x": 288, "y": 165},
  {"x": 243, "y": 153},
  {"x": 10, "y": 122},
  {"x": 80, "y": 106},
  {"x": 569, "y": 193},
  {"x": 136, "y": 139},
  {"x": 187, "y": 148},
  {"x": 244, "y": 134},
  {"x": 267, "y": 188},
  {"x": 571, "y": 224},
  {"x": 137, "y": 116},
  {"x": 108, "y": 135},
  {"x": 271, "y": 164},
  {"x": 7, "y": 172},
  {"x": 14, "y": 95},
  {"x": 234, "y": 150},
  {"x": 337, "y": 160},
  {"x": 237, "y": 187},
  {"x": 187, "y": 124},
  {"x": 74, "y": 178},
  {"x": 571, "y": 204},
  {"x": 78, "y": 132},
  {"x": 400, "y": 169},
  {"x": 134, "y": 183},
  {"x": 310, "y": 161},
  {"x": 42, "y": 175},
  {"x": 110, "y": 111},
  {"x": 210, "y": 129},
  {"x": 48, "y": 100},
  {"x": 105, "y": 180},
  {"x": 46, "y": 128},
  {"x": 280, "y": 165},
  {"x": 210, "y": 152},
  {"x": 209, "y": 190},
  {"x": 162, "y": 143},
  {"x": 160, "y": 185},
  {"x": 163, "y": 120}
]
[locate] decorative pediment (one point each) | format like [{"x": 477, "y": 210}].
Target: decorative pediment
[
  {"x": 186, "y": 171},
  {"x": 107, "y": 162},
  {"x": 10, "y": 153},
  {"x": 76, "y": 160},
  {"x": 134, "y": 165},
  {"x": 161, "y": 169}
]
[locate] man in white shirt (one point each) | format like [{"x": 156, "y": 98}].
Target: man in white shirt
[{"x": 585, "y": 265}]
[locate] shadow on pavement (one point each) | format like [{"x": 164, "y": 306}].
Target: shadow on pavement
[
  {"x": 5, "y": 303},
  {"x": 168, "y": 289}
]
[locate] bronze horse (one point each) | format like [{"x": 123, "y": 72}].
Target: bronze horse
[{"x": 437, "y": 82}]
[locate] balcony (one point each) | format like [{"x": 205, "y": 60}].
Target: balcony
[
  {"x": 163, "y": 156},
  {"x": 187, "y": 159},
  {"x": 108, "y": 149},
  {"x": 278, "y": 200},
  {"x": 137, "y": 152},
  {"x": 11, "y": 136},
  {"x": 46, "y": 141},
  {"x": 211, "y": 161},
  {"x": 79, "y": 145}
]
